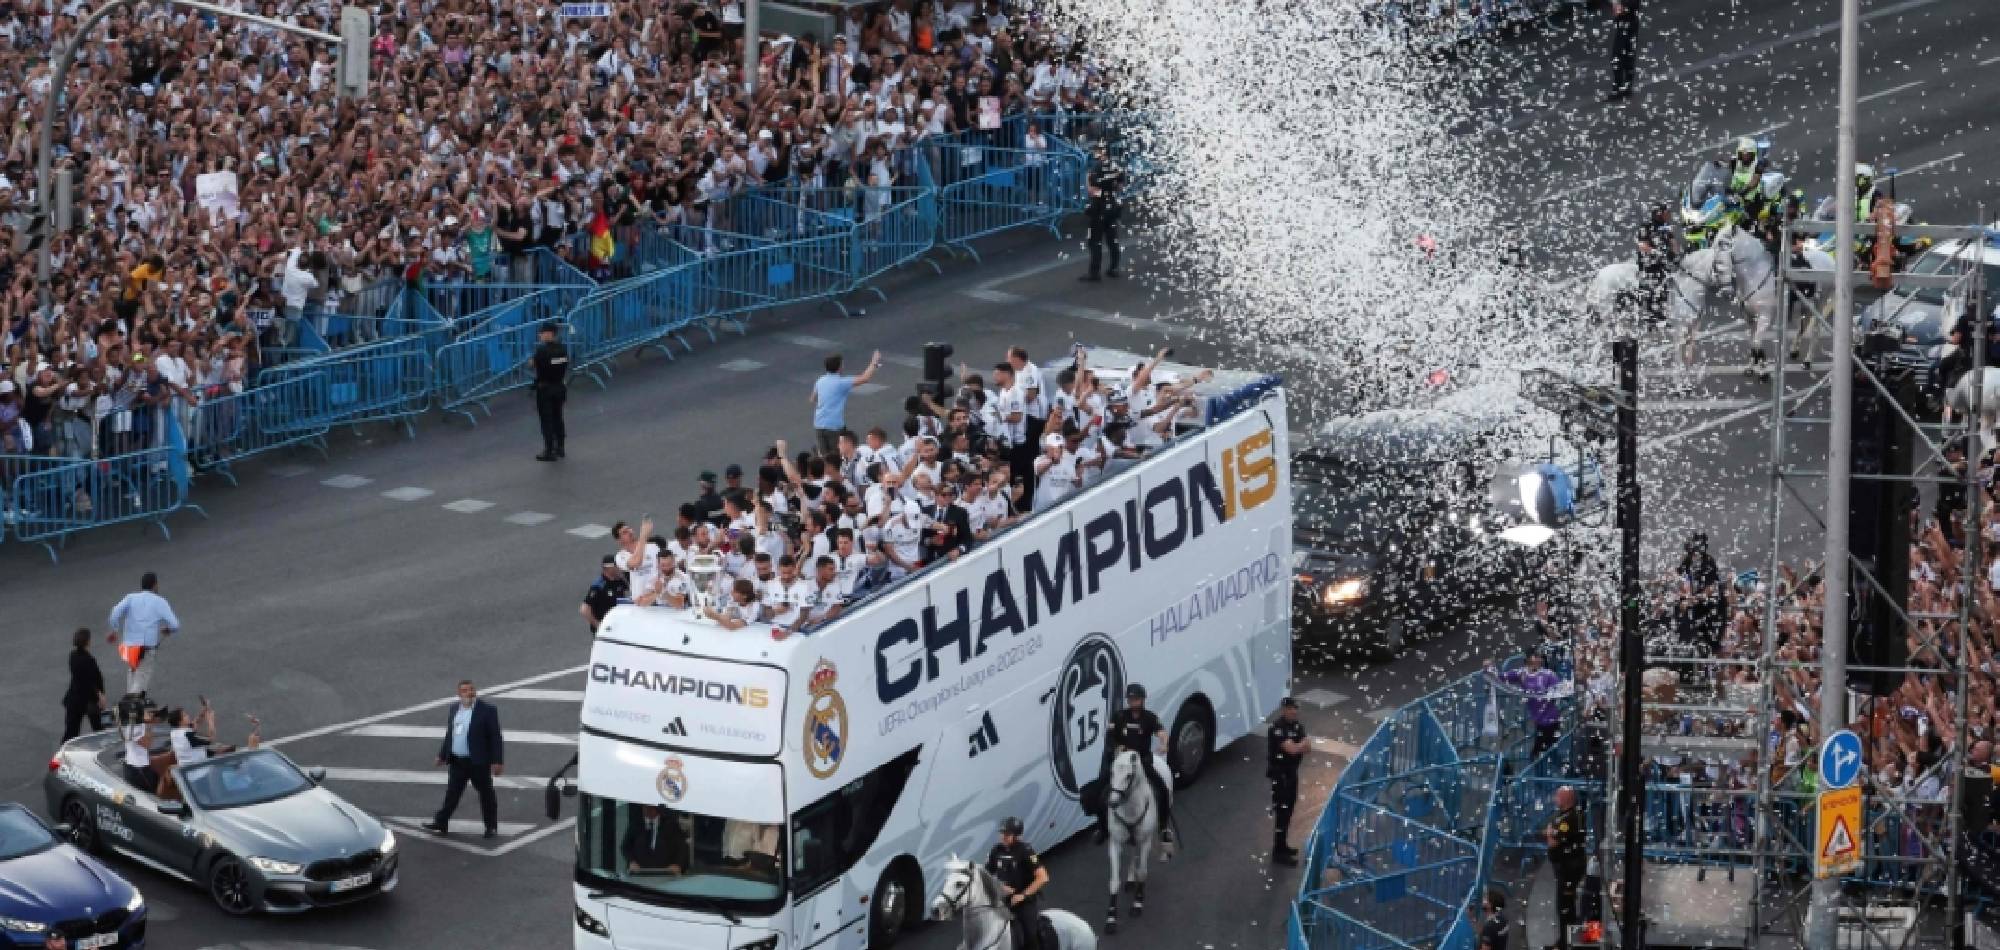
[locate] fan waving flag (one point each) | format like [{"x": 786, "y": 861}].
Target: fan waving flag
[{"x": 602, "y": 245}]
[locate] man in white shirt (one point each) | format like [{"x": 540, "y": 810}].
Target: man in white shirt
[
  {"x": 675, "y": 588},
  {"x": 848, "y": 560},
  {"x": 785, "y": 595},
  {"x": 637, "y": 557},
  {"x": 903, "y": 537},
  {"x": 1057, "y": 475},
  {"x": 883, "y": 496}
]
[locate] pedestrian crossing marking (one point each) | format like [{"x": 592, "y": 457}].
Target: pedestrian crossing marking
[
  {"x": 740, "y": 366},
  {"x": 423, "y": 777},
  {"x": 408, "y": 493},
  {"x": 1322, "y": 697},
  {"x": 390, "y": 730},
  {"x": 347, "y": 481},
  {"x": 468, "y": 506},
  {"x": 549, "y": 695},
  {"x": 530, "y": 518},
  {"x": 465, "y": 826},
  {"x": 590, "y": 532}
]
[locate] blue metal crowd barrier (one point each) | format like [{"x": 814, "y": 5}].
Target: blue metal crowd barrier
[
  {"x": 458, "y": 344},
  {"x": 760, "y": 274},
  {"x": 1410, "y": 831},
  {"x": 283, "y": 412},
  {"x": 485, "y": 364},
  {"x": 60, "y": 500},
  {"x": 387, "y": 381},
  {"x": 984, "y": 191},
  {"x": 644, "y": 312}
]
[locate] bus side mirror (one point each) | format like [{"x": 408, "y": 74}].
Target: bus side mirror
[{"x": 552, "y": 801}]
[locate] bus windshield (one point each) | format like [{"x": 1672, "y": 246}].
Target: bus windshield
[{"x": 653, "y": 853}]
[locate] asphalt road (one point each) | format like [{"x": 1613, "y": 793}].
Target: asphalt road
[{"x": 340, "y": 597}]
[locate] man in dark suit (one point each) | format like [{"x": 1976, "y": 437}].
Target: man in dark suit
[
  {"x": 472, "y": 751},
  {"x": 655, "y": 844}
]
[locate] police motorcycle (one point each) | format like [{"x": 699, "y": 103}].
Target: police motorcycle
[
  {"x": 1723, "y": 190},
  {"x": 1868, "y": 193}
]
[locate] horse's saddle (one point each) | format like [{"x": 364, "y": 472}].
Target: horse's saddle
[{"x": 1045, "y": 934}]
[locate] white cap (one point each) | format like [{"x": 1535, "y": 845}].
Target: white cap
[
  {"x": 1054, "y": 440},
  {"x": 451, "y": 221}
]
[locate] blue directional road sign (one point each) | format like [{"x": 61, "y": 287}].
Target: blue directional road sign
[{"x": 1840, "y": 760}]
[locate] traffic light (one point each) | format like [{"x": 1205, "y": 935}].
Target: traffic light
[
  {"x": 356, "y": 36},
  {"x": 937, "y": 370}
]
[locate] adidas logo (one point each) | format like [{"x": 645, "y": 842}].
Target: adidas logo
[
  {"x": 985, "y": 737},
  {"x": 675, "y": 728}
]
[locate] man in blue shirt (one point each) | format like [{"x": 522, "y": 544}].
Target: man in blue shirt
[
  {"x": 473, "y": 751},
  {"x": 829, "y": 400},
  {"x": 139, "y": 624}
]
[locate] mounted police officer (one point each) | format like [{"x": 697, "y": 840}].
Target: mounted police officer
[
  {"x": 1102, "y": 210},
  {"x": 1285, "y": 746},
  {"x": 1136, "y": 728},
  {"x": 551, "y": 391},
  {"x": 1019, "y": 869},
  {"x": 1567, "y": 836}
]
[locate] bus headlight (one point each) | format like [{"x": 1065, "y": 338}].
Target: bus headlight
[
  {"x": 589, "y": 924},
  {"x": 1345, "y": 592}
]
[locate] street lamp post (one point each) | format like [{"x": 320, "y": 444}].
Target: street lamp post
[{"x": 1631, "y": 645}]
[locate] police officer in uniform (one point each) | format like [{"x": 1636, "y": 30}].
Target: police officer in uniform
[
  {"x": 1569, "y": 854},
  {"x": 1284, "y": 748},
  {"x": 1136, "y": 728},
  {"x": 551, "y": 389},
  {"x": 1102, "y": 210},
  {"x": 1019, "y": 869}
]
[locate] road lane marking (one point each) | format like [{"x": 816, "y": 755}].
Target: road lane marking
[
  {"x": 740, "y": 366},
  {"x": 548, "y": 695},
  {"x": 530, "y": 518},
  {"x": 422, "y": 777},
  {"x": 1989, "y": 62},
  {"x": 1892, "y": 90},
  {"x": 464, "y": 826},
  {"x": 346, "y": 481},
  {"x": 809, "y": 341},
  {"x": 992, "y": 296},
  {"x": 391, "y": 730},
  {"x": 1732, "y": 417},
  {"x": 468, "y": 506},
  {"x": 1933, "y": 163},
  {"x": 590, "y": 531},
  {"x": 428, "y": 706},
  {"x": 408, "y": 493},
  {"x": 1319, "y": 697},
  {"x": 1725, "y": 143},
  {"x": 911, "y": 362}
]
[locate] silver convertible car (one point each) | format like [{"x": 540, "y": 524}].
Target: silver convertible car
[{"x": 250, "y": 827}]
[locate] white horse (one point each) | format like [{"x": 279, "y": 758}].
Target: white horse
[
  {"x": 1614, "y": 284},
  {"x": 973, "y": 891},
  {"x": 1132, "y": 818}
]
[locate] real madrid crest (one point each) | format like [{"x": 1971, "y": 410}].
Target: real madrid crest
[
  {"x": 673, "y": 782},
  {"x": 826, "y": 722}
]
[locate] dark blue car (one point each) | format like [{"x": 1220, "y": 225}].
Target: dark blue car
[{"x": 45, "y": 884}]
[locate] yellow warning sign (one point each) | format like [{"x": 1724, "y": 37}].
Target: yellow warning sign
[{"x": 1839, "y": 825}]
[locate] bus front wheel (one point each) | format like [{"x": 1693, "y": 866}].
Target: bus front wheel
[{"x": 897, "y": 896}]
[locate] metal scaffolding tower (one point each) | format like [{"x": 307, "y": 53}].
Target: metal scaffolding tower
[{"x": 1906, "y": 892}]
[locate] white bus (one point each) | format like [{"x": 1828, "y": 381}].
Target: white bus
[{"x": 737, "y": 792}]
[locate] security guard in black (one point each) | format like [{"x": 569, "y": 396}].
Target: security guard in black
[
  {"x": 1567, "y": 835},
  {"x": 1019, "y": 869},
  {"x": 1134, "y": 727},
  {"x": 1285, "y": 747},
  {"x": 551, "y": 390},
  {"x": 1102, "y": 212}
]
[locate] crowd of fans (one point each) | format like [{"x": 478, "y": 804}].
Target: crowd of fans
[
  {"x": 225, "y": 195},
  {"x": 1704, "y": 631},
  {"x": 817, "y": 531}
]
